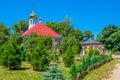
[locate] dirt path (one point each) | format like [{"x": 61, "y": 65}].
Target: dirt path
[{"x": 115, "y": 73}]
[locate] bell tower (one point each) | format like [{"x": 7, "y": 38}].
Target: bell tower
[{"x": 32, "y": 19}]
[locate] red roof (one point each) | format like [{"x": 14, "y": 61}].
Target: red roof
[{"x": 41, "y": 29}]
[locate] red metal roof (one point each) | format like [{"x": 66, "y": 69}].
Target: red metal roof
[{"x": 41, "y": 29}]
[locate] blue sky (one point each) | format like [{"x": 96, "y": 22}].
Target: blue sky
[{"x": 91, "y": 15}]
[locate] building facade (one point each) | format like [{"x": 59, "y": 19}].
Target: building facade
[
  {"x": 41, "y": 29},
  {"x": 92, "y": 43}
]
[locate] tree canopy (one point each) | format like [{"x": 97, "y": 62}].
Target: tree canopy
[
  {"x": 109, "y": 36},
  {"x": 20, "y": 27}
]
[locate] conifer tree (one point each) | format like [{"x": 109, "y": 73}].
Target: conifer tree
[{"x": 53, "y": 73}]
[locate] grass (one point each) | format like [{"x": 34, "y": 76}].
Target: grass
[
  {"x": 26, "y": 72},
  {"x": 102, "y": 72}
]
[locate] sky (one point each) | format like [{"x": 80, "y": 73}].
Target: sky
[{"x": 91, "y": 15}]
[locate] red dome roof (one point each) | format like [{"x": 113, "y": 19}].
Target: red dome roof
[{"x": 41, "y": 29}]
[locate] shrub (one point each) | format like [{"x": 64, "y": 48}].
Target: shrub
[
  {"x": 53, "y": 73},
  {"x": 11, "y": 54},
  {"x": 73, "y": 71},
  {"x": 54, "y": 56},
  {"x": 92, "y": 52},
  {"x": 40, "y": 56},
  {"x": 68, "y": 58},
  {"x": 22, "y": 53}
]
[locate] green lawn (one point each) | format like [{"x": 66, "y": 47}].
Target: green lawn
[
  {"x": 102, "y": 72},
  {"x": 26, "y": 73}
]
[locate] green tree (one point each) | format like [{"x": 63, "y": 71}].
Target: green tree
[
  {"x": 77, "y": 34},
  {"x": 105, "y": 36},
  {"x": 54, "y": 73},
  {"x": 4, "y": 34},
  {"x": 88, "y": 35},
  {"x": 65, "y": 27},
  {"x": 70, "y": 42},
  {"x": 20, "y": 27},
  {"x": 115, "y": 41},
  {"x": 40, "y": 54},
  {"x": 11, "y": 54},
  {"x": 54, "y": 26},
  {"x": 68, "y": 57},
  {"x": 29, "y": 44}
]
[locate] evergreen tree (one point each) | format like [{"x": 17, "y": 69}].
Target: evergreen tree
[
  {"x": 40, "y": 56},
  {"x": 54, "y": 73},
  {"x": 11, "y": 54}
]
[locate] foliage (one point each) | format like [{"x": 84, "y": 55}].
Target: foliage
[
  {"x": 54, "y": 73},
  {"x": 73, "y": 71},
  {"x": 54, "y": 56},
  {"x": 11, "y": 54},
  {"x": 92, "y": 52},
  {"x": 88, "y": 35},
  {"x": 77, "y": 34},
  {"x": 20, "y": 27},
  {"x": 54, "y": 26},
  {"x": 40, "y": 55},
  {"x": 70, "y": 42},
  {"x": 109, "y": 37},
  {"x": 22, "y": 53},
  {"x": 68, "y": 58},
  {"x": 29, "y": 43},
  {"x": 4, "y": 34}
]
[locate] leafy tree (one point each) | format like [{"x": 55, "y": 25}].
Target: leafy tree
[
  {"x": 54, "y": 26},
  {"x": 115, "y": 41},
  {"x": 4, "y": 34},
  {"x": 40, "y": 55},
  {"x": 54, "y": 73},
  {"x": 77, "y": 34},
  {"x": 29, "y": 44},
  {"x": 68, "y": 58},
  {"x": 20, "y": 27},
  {"x": 105, "y": 36},
  {"x": 88, "y": 35},
  {"x": 72, "y": 42},
  {"x": 11, "y": 54},
  {"x": 65, "y": 27}
]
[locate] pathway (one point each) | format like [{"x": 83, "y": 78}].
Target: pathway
[{"x": 115, "y": 73}]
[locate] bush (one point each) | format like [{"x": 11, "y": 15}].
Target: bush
[
  {"x": 40, "y": 56},
  {"x": 73, "y": 71},
  {"x": 54, "y": 73},
  {"x": 54, "y": 56},
  {"x": 92, "y": 52},
  {"x": 11, "y": 54},
  {"x": 68, "y": 58}
]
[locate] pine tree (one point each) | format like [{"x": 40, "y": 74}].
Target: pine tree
[
  {"x": 11, "y": 54},
  {"x": 53, "y": 73}
]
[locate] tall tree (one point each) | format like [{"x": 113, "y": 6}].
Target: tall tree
[
  {"x": 77, "y": 34},
  {"x": 4, "y": 34},
  {"x": 88, "y": 35},
  {"x": 54, "y": 26},
  {"x": 20, "y": 27},
  {"x": 65, "y": 27},
  {"x": 105, "y": 36},
  {"x": 40, "y": 56},
  {"x": 11, "y": 54}
]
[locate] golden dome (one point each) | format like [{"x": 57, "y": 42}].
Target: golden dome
[{"x": 33, "y": 15}]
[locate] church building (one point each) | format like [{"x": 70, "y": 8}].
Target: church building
[{"x": 41, "y": 29}]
